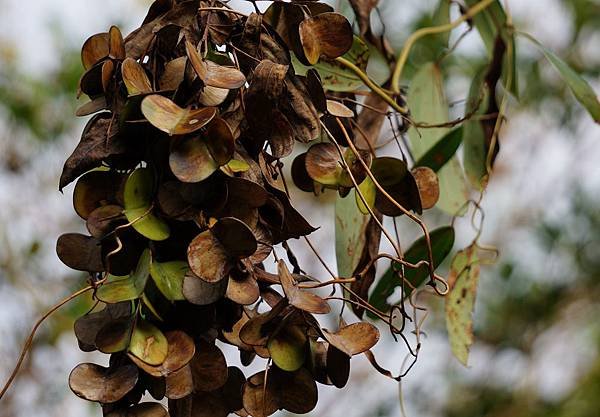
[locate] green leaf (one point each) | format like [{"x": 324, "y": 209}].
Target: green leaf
[
  {"x": 489, "y": 23},
  {"x": 138, "y": 203},
  {"x": 350, "y": 226},
  {"x": 427, "y": 103},
  {"x": 474, "y": 138},
  {"x": 148, "y": 343},
  {"x": 442, "y": 241},
  {"x": 369, "y": 192},
  {"x": 334, "y": 76},
  {"x": 378, "y": 68},
  {"x": 441, "y": 16},
  {"x": 436, "y": 157},
  {"x": 460, "y": 302},
  {"x": 288, "y": 349},
  {"x": 168, "y": 277},
  {"x": 581, "y": 89},
  {"x": 130, "y": 287}
]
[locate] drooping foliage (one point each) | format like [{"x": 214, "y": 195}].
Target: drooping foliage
[{"x": 179, "y": 176}]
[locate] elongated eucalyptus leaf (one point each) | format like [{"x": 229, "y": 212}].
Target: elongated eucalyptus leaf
[
  {"x": 444, "y": 150},
  {"x": 463, "y": 280},
  {"x": 350, "y": 226},
  {"x": 442, "y": 240},
  {"x": 474, "y": 135},
  {"x": 581, "y": 89},
  {"x": 427, "y": 101},
  {"x": 490, "y": 23}
]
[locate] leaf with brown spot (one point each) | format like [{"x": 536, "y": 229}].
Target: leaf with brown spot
[
  {"x": 460, "y": 302},
  {"x": 180, "y": 352},
  {"x": 148, "y": 343}
]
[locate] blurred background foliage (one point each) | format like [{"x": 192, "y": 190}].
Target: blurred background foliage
[{"x": 536, "y": 316}]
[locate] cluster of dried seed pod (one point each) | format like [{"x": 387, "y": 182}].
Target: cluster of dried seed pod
[{"x": 179, "y": 181}]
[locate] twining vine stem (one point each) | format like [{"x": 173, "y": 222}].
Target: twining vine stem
[
  {"x": 431, "y": 266},
  {"x": 469, "y": 14},
  {"x": 29, "y": 340}
]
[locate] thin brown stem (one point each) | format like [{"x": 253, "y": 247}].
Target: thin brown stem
[
  {"x": 29, "y": 340},
  {"x": 393, "y": 201}
]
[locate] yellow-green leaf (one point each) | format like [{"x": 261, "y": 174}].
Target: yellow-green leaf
[
  {"x": 148, "y": 343},
  {"x": 460, "y": 301},
  {"x": 368, "y": 190},
  {"x": 288, "y": 349},
  {"x": 168, "y": 277},
  {"x": 138, "y": 206},
  {"x": 167, "y": 116},
  {"x": 129, "y": 287}
]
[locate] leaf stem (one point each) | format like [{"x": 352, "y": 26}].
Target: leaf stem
[
  {"x": 373, "y": 86},
  {"x": 433, "y": 30}
]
